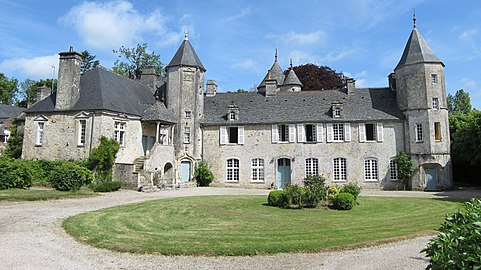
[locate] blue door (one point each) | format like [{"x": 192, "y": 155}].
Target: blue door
[
  {"x": 151, "y": 143},
  {"x": 185, "y": 171},
  {"x": 144, "y": 145},
  {"x": 283, "y": 172},
  {"x": 431, "y": 179}
]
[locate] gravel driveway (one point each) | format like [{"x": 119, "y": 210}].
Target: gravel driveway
[{"x": 31, "y": 237}]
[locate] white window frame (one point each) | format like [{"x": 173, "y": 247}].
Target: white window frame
[
  {"x": 393, "y": 170},
  {"x": 434, "y": 78},
  {"x": 378, "y": 132},
  {"x": 418, "y": 132},
  {"x": 232, "y": 116},
  {"x": 339, "y": 169},
  {"x": 371, "y": 170},
  {"x": 232, "y": 170},
  {"x": 290, "y": 136},
  {"x": 186, "y": 135},
  {"x": 257, "y": 170},
  {"x": 224, "y": 137},
  {"x": 435, "y": 103},
  {"x": 337, "y": 112},
  {"x": 312, "y": 167},
  {"x": 81, "y": 132},
  {"x": 40, "y": 133},
  {"x": 119, "y": 132},
  {"x": 188, "y": 114},
  {"x": 7, "y": 135}
]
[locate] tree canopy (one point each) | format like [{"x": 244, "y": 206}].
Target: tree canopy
[
  {"x": 460, "y": 102},
  {"x": 8, "y": 89},
  {"x": 131, "y": 61},
  {"x": 27, "y": 92},
  {"x": 88, "y": 62},
  {"x": 314, "y": 77}
]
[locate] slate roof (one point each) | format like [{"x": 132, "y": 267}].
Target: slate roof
[
  {"x": 275, "y": 72},
  {"x": 417, "y": 51},
  {"x": 102, "y": 89},
  {"x": 364, "y": 104},
  {"x": 292, "y": 78},
  {"x": 186, "y": 56},
  {"x": 8, "y": 111}
]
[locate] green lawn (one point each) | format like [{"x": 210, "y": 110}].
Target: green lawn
[
  {"x": 39, "y": 194},
  {"x": 243, "y": 225}
]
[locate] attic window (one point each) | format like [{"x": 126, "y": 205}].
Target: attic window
[
  {"x": 337, "y": 112},
  {"x": 336, "y": 108},
  {"x": 232, "y": 112},
  {"x": 232, "y": 116}
]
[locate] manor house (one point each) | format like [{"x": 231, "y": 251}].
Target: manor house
[{"x": 265, "y": 139}]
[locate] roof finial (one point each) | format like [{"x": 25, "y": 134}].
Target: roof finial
[
  {"x": 186, "y": 35},
  {"x": 290, "y": 61},
  {"x": 275, "y": 59},
  {"x": 414, "y": 17}
]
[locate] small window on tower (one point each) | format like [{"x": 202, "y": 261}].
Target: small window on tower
[
  {"x": 434, "y": 78},
  {"x": 437, "y": 131},
  {"x": 188, "y": 114},
  {"x": 436, "y": 103}
]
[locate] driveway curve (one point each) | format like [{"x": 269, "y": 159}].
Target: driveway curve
[{"x": 31, "y": 237}]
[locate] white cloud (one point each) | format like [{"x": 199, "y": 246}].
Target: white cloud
[
  {"x": 243, "y": 13},
  {"x": 34, "y": 68},
  {"x": 114, "y": 24},
  {"x": 468, "y": 34},
  {"x": 246, "y": 64},
  {"x": 298, "y": 38},
  {"x": 336, "y": 56},
  {"x": 363, "y": 73},
  {"x": 469, "y": 83},
  {"x": 361, "y": 83},
  {"x": 300, "y": 58}
]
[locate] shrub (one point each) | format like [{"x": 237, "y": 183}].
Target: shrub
[
  {"x": 102, "y": 158},
  {"x": 332, "y": 193},
  {"x": 69, "y": 176},
  {"x": 15, "y": 173},
  {"x": 203, "y": 175},
  {"x": 343, "y": 201},
  {"x": 405, "y": 168},
  {"x": 457, "y": 245},
  {"x": 315, "y": 190},
  {"x": 275, "y": 197},
  {"x": 293, "y": 195},
  {"x": 106, "y": 186},
  {"x": 351, "y": 188}
]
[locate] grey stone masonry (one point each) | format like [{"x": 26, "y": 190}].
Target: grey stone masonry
[{"x": 68, "y": 88}]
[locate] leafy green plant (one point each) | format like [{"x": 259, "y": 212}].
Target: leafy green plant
[
  {"x": 293, "y": 195},
  {"x": 352, "y": 188},
  {"x": 275, "y": 197},
  {"x": 202, "y": 174},
  {"x": 102, "y": 158},
  {"x": 69, "y": 176},
  {"x": 457, "y": 246},
  {"x": 106, "y": 186},
  {"x": 343, "y": 201},
  {"x": 15, "y": 173},
  {"x": 15, "y": 141},
  {"x": 315, "y": 190},
  {"x": 332, "y": 192},
  {"x": 405, "y": 168}
]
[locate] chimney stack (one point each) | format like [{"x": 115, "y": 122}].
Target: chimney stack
[
  {"x": 149, "y": 78},
  {"x": 351, "y": 85},
  {"x": 211, "y": 88},
  {"x": 68, "y": 87}
]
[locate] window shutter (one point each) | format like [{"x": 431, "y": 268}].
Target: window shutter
[
  {"x": 330, "y": 133},
  {"x": 319, "y": 133},
  {"x": 380, "y": 132},
  {"x": 275, "y": 134},
  {"x": 301, "y": 133},
  {"x": 362, "y": 132},
  {"x": 240, "y": 134},
  {"x": 347, "y": 132},
  {"x": 292, "y": 133},
  {"x": 223, "y": 135}
]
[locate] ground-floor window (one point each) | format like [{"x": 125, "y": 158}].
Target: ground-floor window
[
  {"x": 370, "y": 169},
  {"x": 340, "y": 169},
  {"x": 257, "y": 166},
  {"x": 312, "y": 166},
  {"x": 232, "y": 170},
  {"x": 393, "y": 170}
]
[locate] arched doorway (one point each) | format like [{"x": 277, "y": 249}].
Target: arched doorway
[
  {"x": 432, "y": 176},
  {"x": 185, "y": 170},
  {"x": 283, "y": 176},
  {"x": 168, "y": 173}
]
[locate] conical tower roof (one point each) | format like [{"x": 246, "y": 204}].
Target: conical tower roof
[
  {"x": 292, "y": 78},
  {"x": 186, "y": 56},
  {"x": 417, "y": 51}
]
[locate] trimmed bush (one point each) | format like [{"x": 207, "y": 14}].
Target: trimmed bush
[
  {"x": 332, "y": 193},
  {"x": 102, "y": 158},
  {"x": 457, "y": 245},
  {"x": 69, "y": 176},
  {"x": 343, "y": 201},
  {"x": 203, "y": 175},
  {"x": 293, "y": 195},
  {"x": 15, "y": 173},
  {"x": 106, "y": 186},
  {"x": 315, "y": 190},
  {"x": 275, "y": 197},
  {"x": 351, "y": 188}
]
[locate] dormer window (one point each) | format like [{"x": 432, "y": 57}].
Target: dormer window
[
  {"x": 232, "y": 112},
  {"x": 336, "y": 109},
  {"x": 232, "y": 116},
  {"x": 337, "y": 112}
]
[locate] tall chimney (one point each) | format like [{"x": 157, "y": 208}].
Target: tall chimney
[
  {"x": 68, "y": 87},
  {"x": 149, "y": 78},
  {"x": 351, "y": 85},
  {"x": 211, "y": 88}
]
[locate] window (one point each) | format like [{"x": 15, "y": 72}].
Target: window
[
  {"x": 164, "y": 136},
  {"x": 232, "y": 135},
  {"x": 370, "y": 132},
  {"x": 419, "y": 132},
  {"x": 436, "y": 103},
  {"x": 119, "y": 132},
  {"x": 6, "y": 136},
  {"x": 232, "y": 116},
  {"x": 437, "y": 131},
  {"x": 434, "y": 78},
  {"x": 340, "y": 172},
  {"x": 232, "y": 170},
  {"x": 393, "y": 170},
  {"x": 312, "y": 166},
  {"x": 188, "y": 114},
  {"x": 39, "y": 139},
  {"x": 82, "y": 129},
  {"x": 187, "y": 135},
  {"x": 370, "y": 169},
  {"x": 310, "y": 133},
  {"x": 337, "y": 112},
  {"x": 257, "y": 166},
  {"x": 338, "y": 132},
  {"x": 283, "y": 133}
]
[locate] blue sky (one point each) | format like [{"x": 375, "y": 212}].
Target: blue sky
[{"x": 236, "y": 40}]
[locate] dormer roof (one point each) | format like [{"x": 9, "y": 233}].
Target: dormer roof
[
  {"x": 417, "y": 51},
  {"x": 186, "y": 56},
  {"x": 292, "y": 78}
]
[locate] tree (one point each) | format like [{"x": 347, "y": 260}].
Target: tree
[
  {"x": 314, "y": 77},
  {"x": 8, "y": 89},
  {"x": 28, "y": 90},
  {"x": 15, "y": 141},
  {"x": 102, "y": 158},
  {"x": 460, "y": 102},
  {"x": 131, "y": 61},
  {"x": 405, "y": 168},
  {"x": 203, "y": 175},
  {"x": 88, "y": 62},
  {"x": 466, "y": 137}
]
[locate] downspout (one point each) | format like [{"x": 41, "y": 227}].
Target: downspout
[
  {"x": 92, "y": 132},
  {"x": 202, "y": 143}
]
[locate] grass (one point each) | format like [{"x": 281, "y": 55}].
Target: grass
[
  {"x": 244, "y": 225},
  {"x": 40, "y": 194}
]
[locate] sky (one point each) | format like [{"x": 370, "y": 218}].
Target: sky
[{"x": 236, "y": 40}]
